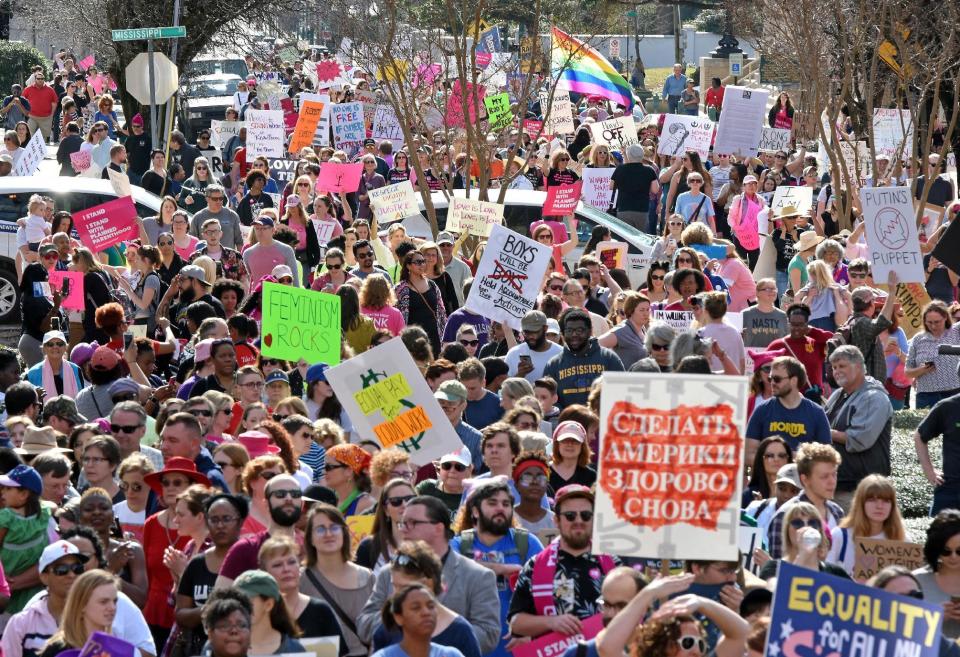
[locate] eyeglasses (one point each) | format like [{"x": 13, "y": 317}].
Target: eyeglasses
[
  {"x": 232, "y": 627},
  {"x": 215, "y": 198},
  {"x": 413, "y": 524},
  {"x": 469, "y": 343},
  {"x": 693, "y": 181},
  {"x": 916, "y": 594},
  {"x": 364, "y": 255},
  {"x": 303, "y": 184},
  {"x": 202, "y": 168},
  {"x": 100, "y": 130},
  {"x": 252, "y": 384},
  {"x": 450, "y": 465},
  {"x": 689, "y": 641},
  {"x": 92, "y": 460},
  {"x": 332, "y": 530},
  {"x": 799, "y": 523},
  {"x": 397, "y": 502},
  {"x": 947, "y": 552},
  {"x": 135, "y": 488},
  {"x": 563, "y": 159},
  {"x": 199, "y": 411},
  {"x": 421, "y": 261},
  {"x": 124, "y": 428},
  {"x": 51, "y": 256},
  {"x": 576, "y": 330},
  {"x": 216, "y": 521},
  {"x": 571, "y": 516},
  {"x": 688, "y": 260},
  {"x": 406, "y": 475},
  {"x": 335, "y": 466},
  {"x": 165, "y": 243},
  {"x": 656, "y": 277},
  {"x": 269, "y": 361},
  {"x": 775, "y": 456},
  {"x": 65, "y": 569},
  {"x": 284, "y": 494},
  {"x": 335, "y": 267},
  {"x": 529, "y": 479},
  {"x": 776, "y": 378},
  {"x": 674, "y": 223},
  {"x": 268, "y": 475},
  {"x": 58, "y": 344}
]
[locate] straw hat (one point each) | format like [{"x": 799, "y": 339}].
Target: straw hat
[{"x": 808, "y": 240}]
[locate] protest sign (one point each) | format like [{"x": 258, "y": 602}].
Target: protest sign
[
  {"x": 799, "y": 197},
  {"x": 306, "y": 128},
  {"x": 533, "y": 127},
  {"x": 871, "y": 555},
  {"x": 325, "y": 230},
  {"x": 930, "y": 219},
  {"x": 670, "y": 466},
  {"x": 359, "y": 527},
  {"x": 104, "y": 225},
  {"x": 319, "y": 646},
  {"x": 616, "y": 133},
  {"x": 774, "y": 139},
  {"x": 80, "y": 161},
  {"x": 499, "y": 115},
  {"x": 562, "y": 199},
  {"x": 222, "y": 131},
  {"x": 402, "y": 411},
  {"x": 120, "y": 182},
  {"x": 553, "y": 644},
  {"x": 682, "y": 133},
  {"x": 766, "y": 266},
  {"x": 336, "y": 177},
  {"x": 678, "y": 320},
  {"x": 299, "y": 323},
  {"x": 74, "y": 298},
  {"x": 612, "y": 254},
  {"x": 215, "y": 160},
  {"x": 856, "y": 158},
  {"x": 947, "y": 250},
  {"x": 750, "y": 539},
  {"x": 282, "y": 170},
  {"x": 891, "y": 232},
  {"x": 394, "y": 202},
  {"x": 477, "y": 217},
  {"x": 348, "y": 127},
  {"x": 265, "y": 133},
  {"x": 386, "y": 125},
  {"x": 596, "y": 188},
  {"x": 474, "y": 97},
  {"x": 818, "y": 614},
  {"x": 741, "y": 121},
  {"x": 322, "y": 136},
  {"x": 913, "y": 299},
  {"x": 892, "y": 132},
  {"x": 559, "y": 121},
  {"x": 29, "y": 159},
  {"x": 509, "y": 277},
  {"x": 101, "y": 644}
]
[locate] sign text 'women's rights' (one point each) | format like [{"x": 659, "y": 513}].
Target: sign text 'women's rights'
[
  {"x": 104, "y": 225},
  {"x": 299, "y": 323}
]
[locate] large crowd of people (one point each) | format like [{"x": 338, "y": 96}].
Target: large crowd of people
[{"x": 164, "y": 481}]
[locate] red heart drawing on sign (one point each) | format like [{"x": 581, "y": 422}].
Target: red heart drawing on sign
[{"x": 268, "y": 339}]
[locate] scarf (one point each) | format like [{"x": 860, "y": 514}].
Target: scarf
[
  {"x": 544, "y": 570},
  {"x": 69, "y": 379}
]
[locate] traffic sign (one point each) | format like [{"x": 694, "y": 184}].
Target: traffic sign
[
  {"x": 736, "y": 63},
  {"x": 138, "y": 74},
  {"x": 144, "y": 33}
]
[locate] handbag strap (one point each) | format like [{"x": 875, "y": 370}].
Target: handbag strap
[
  {"x": 696, "y": 213},
  {"x": 344, "y": 617}
]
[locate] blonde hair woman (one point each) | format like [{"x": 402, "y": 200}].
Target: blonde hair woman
[
  {"x": 91, "y": 607},
  {"x": 873, "y": 514},
  {"x": 829, "y": 303},
  {"x": 805, "y": 542}
]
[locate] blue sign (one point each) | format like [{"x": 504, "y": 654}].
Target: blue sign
[
  {"x": 490, "y": 40},
  {"x": 827, "y": 616}
]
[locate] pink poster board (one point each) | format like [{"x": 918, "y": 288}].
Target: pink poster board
[
  {"x": 336, "y": 177},
  {"x": 562, "y": 199},
  {"x": 74, "y": 299},
  {"x": 104, "y": 225}
]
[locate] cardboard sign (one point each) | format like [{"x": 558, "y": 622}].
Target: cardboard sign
[
  {"x": 325, "y": 230},
  {"x": 683, "y": 133},
  {"x": 306, "y": 128},
  {"x": 222, "y": 131},
  {"x": 774, "y": 139},
  {"x": 891, "y": 232},
  {"x": 120, "y": 182},
  {"x": 300, "y": 323},
  {"x": 265, "y": 133},
  {"x": 29, "y": 159},
  {"x": 499, "y": 115},
  {"x": 553, "y": 644},
  {"x": 414, "y": 423},
  {"x": 893, "y": 132},
  {"x": 74, "y": 298},
  {"x": 913, "y": 299},
  {"x": 558, "y": 120},
  {"x": 215, "y": 160},
  {"x": 282, "y": 170},
  {"x": 818, "y": 614},
  {"x": 336, "y": 177},
  {"x": 596, "y": 188},
  {"x": 612, "y": 254},
  {"x": 509, "y": 277},
  {"x": 856, "y": 158},
  {"x": 562, "y": 199},
  {"x": 349, "y": 130},
  {"x": 386, "y": 125},
  {"x": 799, "y": 197},
  {"x": 394, "y": 202},
  {"x": 318, "y": 646},
  {"x": 322, "y": 136},
  {"x": 104, "y": 225},
  {"x": 930, "y": 219},
  {"x": 80, "y": 161},
  {"x": 741, "y": 121},
  {"x": 873, "y": 555},
  {"x": 670, "y": 466},
  {"x": 678, "y": 320},
  {"x": 616, "y": 133},
  {"x": 476, "y": 217}
]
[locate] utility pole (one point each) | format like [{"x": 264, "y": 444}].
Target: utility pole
[{"x": 677, "y": 51}]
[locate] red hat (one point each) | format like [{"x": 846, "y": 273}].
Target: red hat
[
  {"x": 257, "y": 443},
  {"x": 571, "y": 491},
  {"x": 176, "y": 464},
  {"x": 761, "y": 357}
]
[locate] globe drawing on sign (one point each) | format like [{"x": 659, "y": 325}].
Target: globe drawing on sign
[{"x": 891, "y": 228}]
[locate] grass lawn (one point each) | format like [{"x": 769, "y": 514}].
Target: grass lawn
[
  {"x": 656, "y": 76},
  {"x": 914, "y": 492}
]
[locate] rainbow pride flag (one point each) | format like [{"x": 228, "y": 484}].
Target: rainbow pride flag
[{"x": 583, "y": 70}]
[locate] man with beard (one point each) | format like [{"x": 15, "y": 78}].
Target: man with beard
[
  {"x": 285, "y": 501},
  {"x": 528, "y": 358},
  {"x": 581, "y": 361},
  {"x": 118, "y": 161},
  {"x": 189, "y": 286},
  {"x": 183, "y": 436},
  {"x": 487, "y": 536},
  {"x": 560, "y": 587}
]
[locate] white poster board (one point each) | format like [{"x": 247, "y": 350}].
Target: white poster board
[
  {"x": 120, "y": 182},
  {"x": 596, "y": 188},
  {"x": 774, "y": 139},
  {"x": 617, "y": 133},
  {"x": 388, "y": 399},
  {"x": 891, "y": 232},
  {"x": 386, "y": 125},
  {"x": 509, "y": 277},
  {"x": 799, "y": 197},
  {"x": 893, "y": 132},
  {"x": 29, "y": 159},
  {"x": 741, "y": 121},
  {"x": 670, "y": 466},
  {"x": 349, "y": 129},
  {"x": 477, "y": 217},
  {"x": 685, "y": 133},
  {"x": 678, "y": 320},
  {"x": 265, "y": 133},
  {"x": 394, "y": 202},
  {"x": 560, "y": 119},
  {"x": 222, "y": 131},
  {"x": 215, "y": 159}
]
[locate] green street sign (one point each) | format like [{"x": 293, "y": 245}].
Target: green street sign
[{"x": 146, "y": 33}]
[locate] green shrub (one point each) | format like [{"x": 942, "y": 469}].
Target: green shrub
[
  {"x": 914, "y": 492},
  {"x": 16, "y": 60}
]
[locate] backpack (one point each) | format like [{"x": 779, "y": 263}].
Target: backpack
[{"x": 521, "y": 538}]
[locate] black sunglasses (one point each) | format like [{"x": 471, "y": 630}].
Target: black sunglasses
[
  {"x": 571, "y": 516},
  {"x": 66, "y": 568},
  {"x": 450, "y": 465},
  {"x": 399, "y": 501}
]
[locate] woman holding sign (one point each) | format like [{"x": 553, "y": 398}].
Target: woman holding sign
[{"x": 873, "y": 514}]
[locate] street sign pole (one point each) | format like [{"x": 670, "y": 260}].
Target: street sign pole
[{"x": 153, "y": 98}]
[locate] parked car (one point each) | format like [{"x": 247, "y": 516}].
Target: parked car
[{"x": 71, "y": 194}]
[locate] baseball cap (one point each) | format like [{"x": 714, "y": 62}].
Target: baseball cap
[
  {"x": 570, "y": 429},
  {"x": 553, "y": 326},
  {"x": 788, "y": 474},
  {"x": 258, "y": 582},
  {"x": 104, "y": 358},
  {"x": 201, "y": 350},
  {"x": 195, "y": 272},
  {"x": 275, "y": 376},
  {"x": 264, "y": 221},
  {"x": 58, "y": 550},
  {"x": 369, "y": 142},
  {"x": 64, "y": 407},
  {"x": 124, "y": 386},
  {"x": 534, "y": 320},
  {"x": 571, "y": 491},
  {"x": 23, "y": 476},
  {"x": 47, "y": 248},
  {"x": 281, "y": 271},
  {"x": 318, "y": 493},
  {"x": 54, "y": 335},
  {"x": 445, "y": 238},
  {"x": 749, "y": 179},
  {"x": 461, "y": 456},
  {"x": 317, "y": 372},
  {"x": 451, "y": 391}
]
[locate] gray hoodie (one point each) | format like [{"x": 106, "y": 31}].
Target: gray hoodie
[{"x": 866, "y": 417}]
